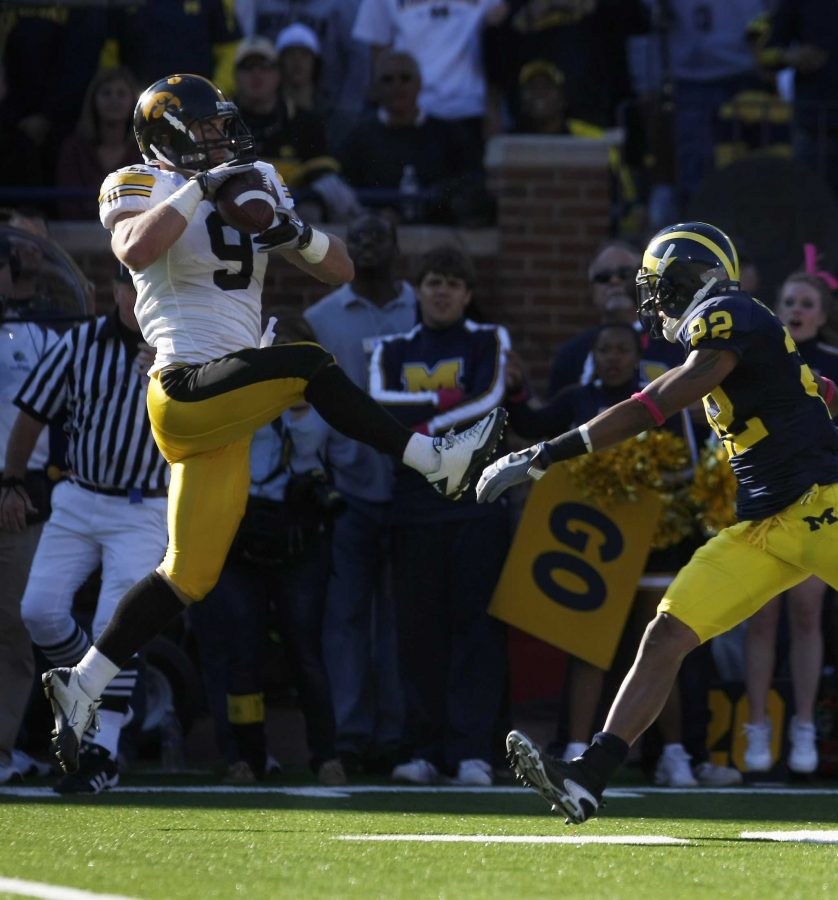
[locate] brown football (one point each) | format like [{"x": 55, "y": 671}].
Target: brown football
[{"x": 247, "y": 202}]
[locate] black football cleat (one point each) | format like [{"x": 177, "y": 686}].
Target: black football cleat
[{"x": 562, "y": 784}]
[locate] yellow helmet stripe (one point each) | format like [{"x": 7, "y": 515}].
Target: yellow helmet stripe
[{"x": 730, "y": 262}]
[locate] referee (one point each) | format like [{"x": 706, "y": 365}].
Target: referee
[{"x": 110, "y": 510}]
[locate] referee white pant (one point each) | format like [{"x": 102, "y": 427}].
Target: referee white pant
[{"x": 84, "y": 530}]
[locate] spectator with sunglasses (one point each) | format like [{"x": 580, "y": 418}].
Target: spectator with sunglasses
[
  {"x": 445, "y": 40},
  {"x": 611, "y": 273},
  {"x": 400, "y": 134}
]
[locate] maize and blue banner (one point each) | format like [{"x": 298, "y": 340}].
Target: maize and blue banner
[{"x": 572, "y": 572}]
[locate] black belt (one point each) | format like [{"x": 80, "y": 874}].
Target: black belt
[{"x": 120, "y": 492}]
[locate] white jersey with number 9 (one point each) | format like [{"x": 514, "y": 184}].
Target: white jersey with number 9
[{"x": 202, "y": 298}]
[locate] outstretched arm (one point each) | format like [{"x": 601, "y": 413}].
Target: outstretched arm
[
  {"x": 336, "y": 267},
  {"x": 673, "y": 391},
  {"x": 315, "y": 252},
  {"x": 667, "y": 395}
]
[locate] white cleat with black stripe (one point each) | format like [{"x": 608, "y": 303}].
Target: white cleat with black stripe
[
  {"x": 464, "y": 454},
  {"x": 74, "y": 712},
  {"x": 561, "y": 784}
]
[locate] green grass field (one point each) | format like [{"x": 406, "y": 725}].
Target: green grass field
[{"x": 167, "y": 837}]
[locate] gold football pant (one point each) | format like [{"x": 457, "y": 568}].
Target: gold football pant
[
  {"x": 203, "y": 418},
  {"x": 744, "y": 566}
]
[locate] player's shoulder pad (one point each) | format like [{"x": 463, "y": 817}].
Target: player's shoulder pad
[
  {"x": 135, "y": 189},
  {"x": 727, "y": 300},
  {"x": 723, "y": 314},
  {"x": 736, "y": 303},
  {"x": 130, "y": 181}
]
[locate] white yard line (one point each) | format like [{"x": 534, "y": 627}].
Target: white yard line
[
  {"x": 801, "y": 837},
  {"x": 517, "y": 838},
  {"x": 349, "y": 790},
  {"x": 21, "y": 888}
]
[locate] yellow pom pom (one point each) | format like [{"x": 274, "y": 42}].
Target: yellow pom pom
[
  {"x": 655, "y": 460},
  {"x": 713, "y": 491}
]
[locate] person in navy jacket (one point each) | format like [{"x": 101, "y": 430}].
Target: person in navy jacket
[{"x": 446, "y": 557}]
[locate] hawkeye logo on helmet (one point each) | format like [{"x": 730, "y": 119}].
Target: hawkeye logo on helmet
[{"x": 158, "y": 105}]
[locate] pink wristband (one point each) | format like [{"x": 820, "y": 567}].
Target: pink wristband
[
  {"x": 657, "y": 416},
  {"x": 830, "y": 390}
]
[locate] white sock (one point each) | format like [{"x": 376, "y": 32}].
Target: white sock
[
  {"x": 96, "y": 672},
  {"x": 420, "y": 454},
  {"x": 677, "y": 749}
]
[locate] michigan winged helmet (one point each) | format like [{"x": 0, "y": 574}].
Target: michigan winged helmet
[{"x": 683, "y": 265}]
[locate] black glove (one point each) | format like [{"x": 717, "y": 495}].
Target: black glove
[
  {"x": 211, "y": 180},
  {"x": 290, "y": 233}
]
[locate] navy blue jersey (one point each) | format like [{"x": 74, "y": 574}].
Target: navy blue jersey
[
  {"x": 416, "y": 375},
  {"x": 767, "y": 411}
]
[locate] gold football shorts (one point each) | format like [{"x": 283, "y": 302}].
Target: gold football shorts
[
  {"x": 744, "y": 566},
  {"x": 203, "y": 418}
]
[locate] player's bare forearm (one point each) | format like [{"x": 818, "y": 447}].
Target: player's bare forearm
[
  {"x": 140, "y": 239},
  {"x": 618, "y": 423},
  {"x": 336, "y": 267},
  {"x": 675, "y": 390}
]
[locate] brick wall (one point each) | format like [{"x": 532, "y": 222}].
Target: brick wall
[
  {"x": 532, "y": 269},
  {"x": 552, "y": 215}
]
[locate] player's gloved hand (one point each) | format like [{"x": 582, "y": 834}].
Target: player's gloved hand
[
  {"x": 290, "y": 233},
  {"x": 509, "y": 470},
  {"x": 211, "y": 180}
]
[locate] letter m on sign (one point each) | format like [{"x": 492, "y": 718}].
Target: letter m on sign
[{"x": 827, "y": 517}]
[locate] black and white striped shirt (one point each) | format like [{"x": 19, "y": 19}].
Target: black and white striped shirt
[{"x": 90, "y": 373}]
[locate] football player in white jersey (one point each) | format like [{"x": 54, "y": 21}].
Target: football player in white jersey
[{"x": 199, "y": 285}]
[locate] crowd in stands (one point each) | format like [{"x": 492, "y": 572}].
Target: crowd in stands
[
  {"x": 377, "y": 114},
  {"x": 692, "y": 86}
]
